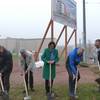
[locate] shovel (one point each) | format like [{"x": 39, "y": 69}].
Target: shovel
[
  {"x": 27, "y": 97},
  {"x": 4, "y": 95},
  {"x": 50, "y": 95},
  {"x": 76, "y": 83},
  {"x": 99, "y": 66}
]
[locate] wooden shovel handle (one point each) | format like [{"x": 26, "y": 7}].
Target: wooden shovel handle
[
  {"x": 50, "y": 79},
  {"x": 2, "y": 86},
  {"x": 76, "y": 81},
  {"x": 26, "y": 90}
]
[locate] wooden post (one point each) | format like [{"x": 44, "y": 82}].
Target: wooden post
[
  {"x": 37, "y": 53},
  {"x": 52, "y": 30},
  {"x": 60, "y": 35},
  {"x": 71, "y": 36},
  {"x": 75, "y": 38},
  {"x": 65, "y": 43}
]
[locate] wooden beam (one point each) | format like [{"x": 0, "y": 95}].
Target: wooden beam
[
  {"x": 52, "y": 30},
  {"x": 37, "y": 53},
  {"x": 60, "y": 35},
  {"x": 67, "y": 42},
  {"x": 75, "y": 38}
]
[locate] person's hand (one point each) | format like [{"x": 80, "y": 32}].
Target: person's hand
[
  {"x": 51, "y": 62},
  {"x": 48, "y": 62}
]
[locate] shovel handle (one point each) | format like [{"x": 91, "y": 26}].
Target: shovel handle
[
  {"x": 25, "y": 85},
  {"x": 2, "y": 86},
  {"x": 76, "y": 82},
  {"x": 98, "y": 65},
  {"x": 50, "y": 79}
]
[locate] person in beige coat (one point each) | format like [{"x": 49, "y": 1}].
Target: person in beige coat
[{"x": 28, "y": 65}]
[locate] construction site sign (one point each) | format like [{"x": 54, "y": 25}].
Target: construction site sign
[{"x": 64, "y": 12}]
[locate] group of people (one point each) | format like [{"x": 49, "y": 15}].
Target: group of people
[
  {"x": 6, "y": 67},
  {"x": 50, "y": 58}
]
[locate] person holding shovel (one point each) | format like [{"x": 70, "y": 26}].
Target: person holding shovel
[
  {"x": 97, "y": 45},
  {"x": 6, "y": 65},
  {"x": 27, "y": 64},
  {"x": 72, "y": 62},
  {"x": 50, "y": 58}
]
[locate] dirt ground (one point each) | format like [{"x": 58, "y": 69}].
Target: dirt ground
[{"x": 87, "y": 76}]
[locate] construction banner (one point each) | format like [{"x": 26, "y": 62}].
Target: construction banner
[{"x": 64, "y": 12}]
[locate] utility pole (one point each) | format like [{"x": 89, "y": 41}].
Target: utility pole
[{"x": 84, "y": 32}]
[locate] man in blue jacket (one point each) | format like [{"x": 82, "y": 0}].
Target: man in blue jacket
[{"x": 73, "y": 60}]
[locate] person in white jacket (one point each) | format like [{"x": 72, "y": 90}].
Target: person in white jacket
[{"x": 27, "y": 64}]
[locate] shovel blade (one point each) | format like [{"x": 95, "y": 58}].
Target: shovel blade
[
  {"x": 27, "y": 98},
  {"x": 50, "y": 96}
]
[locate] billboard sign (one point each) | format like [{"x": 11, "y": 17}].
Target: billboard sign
[{"x": 64, "y": 12}]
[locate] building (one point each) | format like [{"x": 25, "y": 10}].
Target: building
[{"x": 14, "y": 45}]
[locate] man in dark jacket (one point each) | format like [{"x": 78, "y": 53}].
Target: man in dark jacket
[
  {"x": 97, "y": 45},
  {"x": 6, "y": 64}
]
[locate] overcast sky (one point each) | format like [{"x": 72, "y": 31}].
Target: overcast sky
[{"x": 29, "y": 18}]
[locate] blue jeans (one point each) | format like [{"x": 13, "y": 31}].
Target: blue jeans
[
  {"x": 71, "y": 86},
  {"x": 72, "y": 83}
]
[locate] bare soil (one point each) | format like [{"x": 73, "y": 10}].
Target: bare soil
[{"x": 87, "y": 76}]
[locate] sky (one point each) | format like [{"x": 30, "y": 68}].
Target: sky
[{"x": 29, "y": 18}]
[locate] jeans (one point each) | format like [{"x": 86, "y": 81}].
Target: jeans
[
  {"x": 71, "y": 80},
  {"x": 72, "y": 84}
]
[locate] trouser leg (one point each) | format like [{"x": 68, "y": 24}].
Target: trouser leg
[
  {"x": 26, "y": 79},
  {"x": 71, "y": 86},
  {"x": 47, "y": 85},
  {"x": 6, "y": 81},
  {"x": 31, "y": 79}
]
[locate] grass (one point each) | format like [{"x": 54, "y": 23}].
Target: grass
[{"x": 85, "y": 92}]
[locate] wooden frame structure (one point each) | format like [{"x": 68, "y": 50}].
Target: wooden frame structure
[{"x": 63, "y": 30}]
